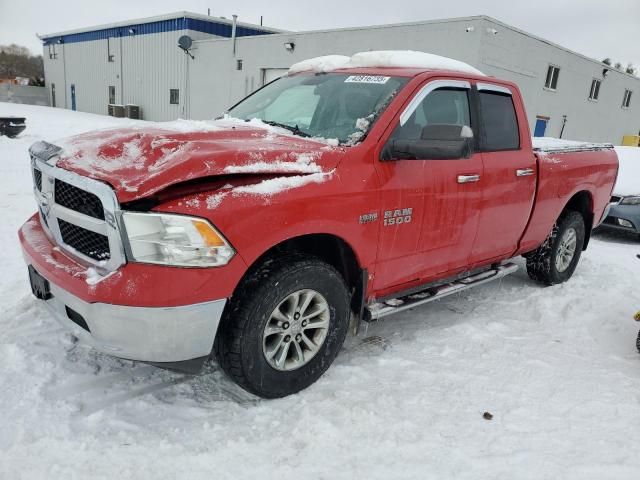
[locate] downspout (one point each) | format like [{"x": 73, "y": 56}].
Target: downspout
[
  {"x": 233, "y": 33},
  {"x": 64, "y": 73},
  {"x": 121, "y": 72}
]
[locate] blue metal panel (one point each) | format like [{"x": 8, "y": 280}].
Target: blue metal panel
[
  {"x": 212, "y": 27},
  {"x": 540, "y": 128}
]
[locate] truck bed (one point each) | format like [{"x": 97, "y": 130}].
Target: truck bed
[{"x": 555, "y": 145}]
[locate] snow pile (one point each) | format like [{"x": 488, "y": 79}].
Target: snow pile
[
  {"x": 292, "y": 162},
  {"x": 265, "y": 167},
  {"x": 384, "y": 58},
  {"x": 322, "y": 64},
  {"x": 628, "y": 182},
  {"x": 276, "y": 185}
]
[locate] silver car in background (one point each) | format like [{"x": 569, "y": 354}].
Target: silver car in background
[{"x": 624, "y": 209}]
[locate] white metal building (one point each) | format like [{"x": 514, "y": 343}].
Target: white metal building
[
  {"x": 136, "y": 62},
  {"x": 565, "y": 92}
]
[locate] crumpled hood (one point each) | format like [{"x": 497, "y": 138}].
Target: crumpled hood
[{"x": 141, "y": 161}]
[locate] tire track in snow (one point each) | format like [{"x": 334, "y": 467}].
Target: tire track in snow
[
  {"x": 60, "y": 392},
  {"x": 89, "y": 407}
]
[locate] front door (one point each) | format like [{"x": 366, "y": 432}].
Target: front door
[
  {"x": 430, "y": 207},
  {"x": 510, "y": 174}
]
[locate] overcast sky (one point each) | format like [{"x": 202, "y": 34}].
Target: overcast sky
[{"x": 595, "y": 28}]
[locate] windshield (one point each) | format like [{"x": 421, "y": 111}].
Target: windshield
[{"x": 327, "y": 105}]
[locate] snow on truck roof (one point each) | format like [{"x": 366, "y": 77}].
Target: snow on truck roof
[{"x": 381, "y": 59}]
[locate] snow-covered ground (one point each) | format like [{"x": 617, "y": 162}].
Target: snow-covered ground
[{"x": 557, "y": 367}]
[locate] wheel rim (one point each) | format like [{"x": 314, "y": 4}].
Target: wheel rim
[
  {"x": 566, "y": 250},
  {"x": 296, "y": 330}
]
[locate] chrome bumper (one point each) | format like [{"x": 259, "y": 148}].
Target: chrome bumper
[{"x": 148, "y": 334}]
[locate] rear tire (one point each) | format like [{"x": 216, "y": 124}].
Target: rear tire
[
  {"x": 259, "y": 325},
  {"x": 557, "y": 258}
]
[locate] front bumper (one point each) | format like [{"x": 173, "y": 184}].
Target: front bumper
[
  {"x": 148, "y": 334},
  {"x": 154, "y": 314}
]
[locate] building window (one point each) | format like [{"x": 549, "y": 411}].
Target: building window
[
  {"x": 174, "y": 96},
  {"x": 110, "y": 56},
  {"x": 52, "y": 51},
  {"x": 238, "y": 64},
  {"x": 552, "y": 77},
  {"x": 594, "y": 93},
  {"x": 112, "y": 94},
  {"x": 498, "y": 116},
  {"x": 626, "y": 100}
]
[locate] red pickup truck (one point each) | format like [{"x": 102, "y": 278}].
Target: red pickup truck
[{"x": 329, "y": 197}]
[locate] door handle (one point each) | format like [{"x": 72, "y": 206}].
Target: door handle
[
  {"x": 468, "y": 178},
  {"x": 525, "y": 172}
]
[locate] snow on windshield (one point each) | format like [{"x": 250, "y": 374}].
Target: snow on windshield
[{"x": 384, "y": 58}]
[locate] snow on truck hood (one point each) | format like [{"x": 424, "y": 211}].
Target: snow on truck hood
[{"x": 138, "y": 162}]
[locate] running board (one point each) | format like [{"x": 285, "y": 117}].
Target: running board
[{"x": 396, "y": 305}]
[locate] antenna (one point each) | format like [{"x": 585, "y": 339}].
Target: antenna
[{"x": 185, "y": 42}]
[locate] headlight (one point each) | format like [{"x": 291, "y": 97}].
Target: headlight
[
  {"x": 630, "y": 201},
  {"x": 175, "y": 240}
]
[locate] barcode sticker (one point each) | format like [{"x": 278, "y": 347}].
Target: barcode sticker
[{"x": 367, "y": 79}]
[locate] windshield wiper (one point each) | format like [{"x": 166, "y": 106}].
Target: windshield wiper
[{"x": 295, "y": 130}]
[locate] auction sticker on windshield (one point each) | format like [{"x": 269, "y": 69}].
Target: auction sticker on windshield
[{"x": 366, "y": 79}]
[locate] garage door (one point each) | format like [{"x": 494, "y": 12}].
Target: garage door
[{"x": 270, "y": 74}]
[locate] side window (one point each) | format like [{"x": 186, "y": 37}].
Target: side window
[
  {"x": 498, "y": 117},
  {"x": 444, "y": 106}
]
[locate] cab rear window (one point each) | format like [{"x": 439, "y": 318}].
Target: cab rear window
[{"x": 499, "y": 121}]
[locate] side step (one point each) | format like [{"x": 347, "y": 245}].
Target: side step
[{"x": 376, "y": 311}]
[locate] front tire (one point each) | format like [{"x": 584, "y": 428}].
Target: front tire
[
  {"x": 557, "y": 258},
  {"x": 284, "y": 326}
]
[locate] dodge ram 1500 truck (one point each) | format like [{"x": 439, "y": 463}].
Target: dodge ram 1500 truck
[{"x": 347, "y": 190}]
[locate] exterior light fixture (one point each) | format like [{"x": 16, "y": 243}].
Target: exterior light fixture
[
  {"x": 132, "y": 31},
  {"x": 290, "y": 46}
]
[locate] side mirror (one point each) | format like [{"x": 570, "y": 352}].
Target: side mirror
[{"x": 437, "y": 142}]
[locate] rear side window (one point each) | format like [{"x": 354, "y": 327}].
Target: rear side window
[{"x": 498, "y": 116}]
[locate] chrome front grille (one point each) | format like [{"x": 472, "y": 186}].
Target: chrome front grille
[
  {"x": 79, "y": 214},
  {"x": 91, "y": 244},
  {"x": 37, "y": 179},
  {"x": 75, "y": 198}
]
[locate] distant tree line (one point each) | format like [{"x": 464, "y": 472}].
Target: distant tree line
[
  {"x": 17, "y": 61},
  {"x": 630, "y": 68}
]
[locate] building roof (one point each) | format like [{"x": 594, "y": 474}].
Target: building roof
[{"x": 218, "y": 26}]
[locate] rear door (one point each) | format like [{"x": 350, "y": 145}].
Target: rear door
[{"x": 510, "y": 173}]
